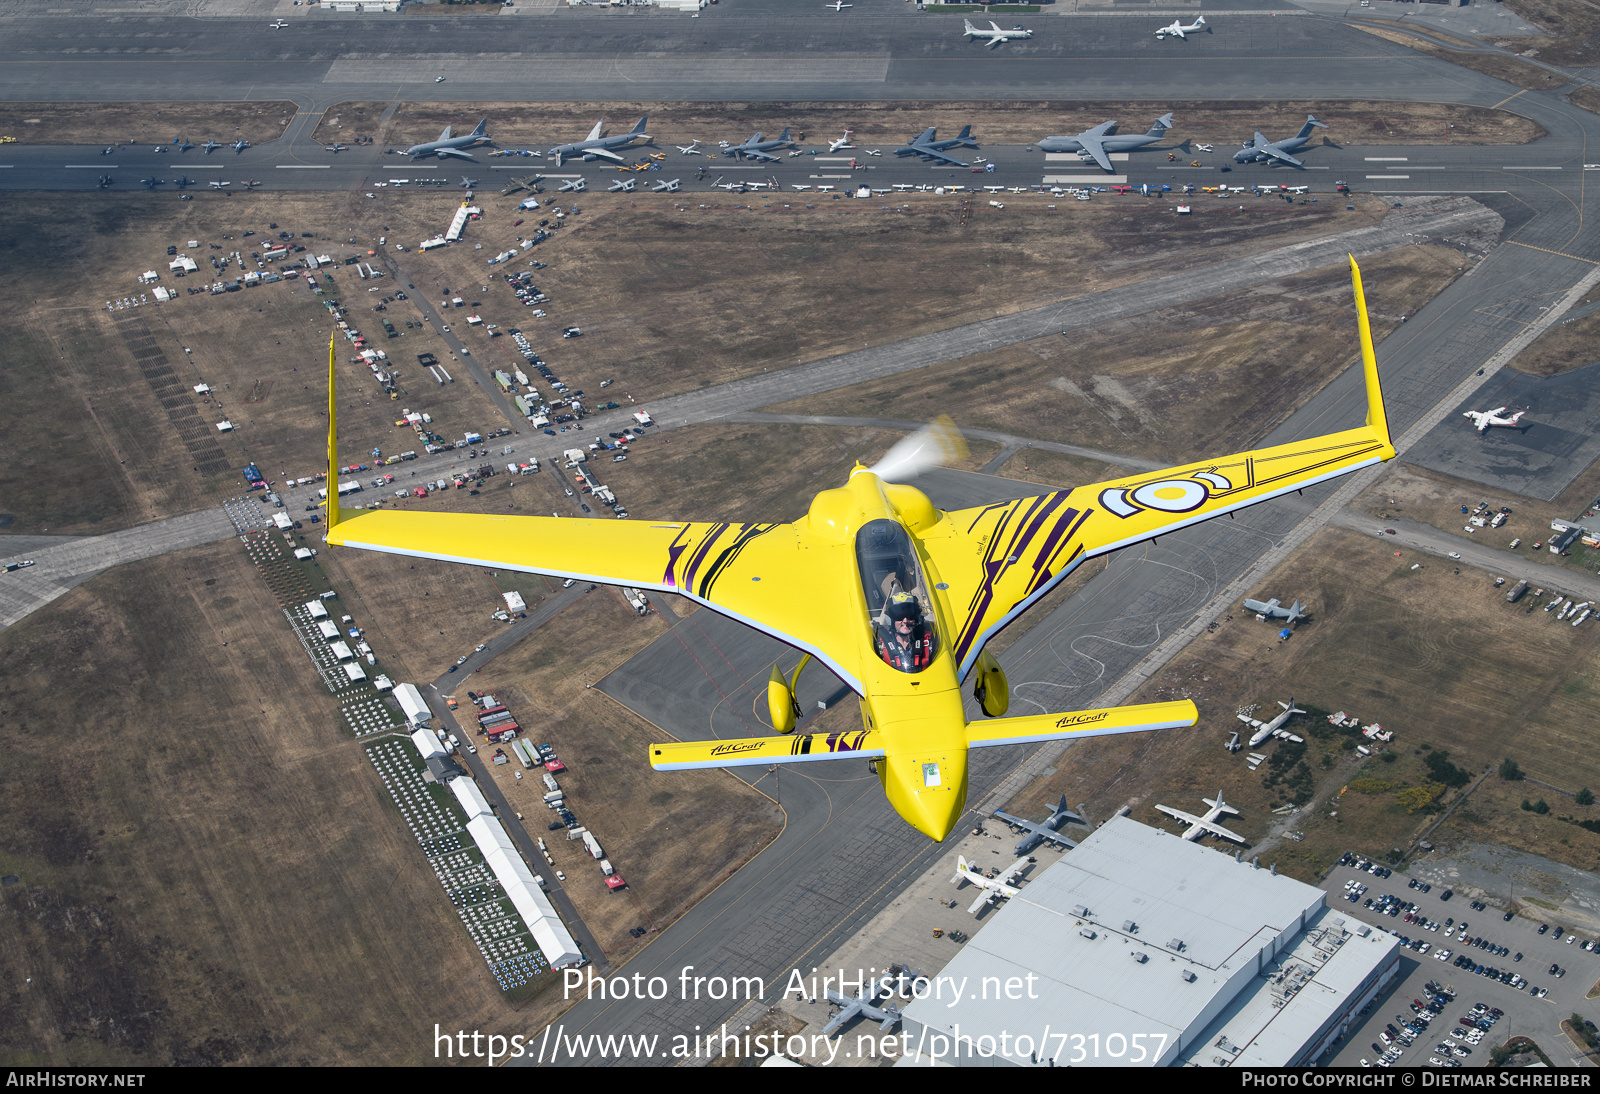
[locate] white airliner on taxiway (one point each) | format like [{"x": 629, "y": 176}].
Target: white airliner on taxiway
[{"x": 994, "y": 34}]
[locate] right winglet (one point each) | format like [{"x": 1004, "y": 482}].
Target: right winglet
[{"x": 1377, "y": 419}]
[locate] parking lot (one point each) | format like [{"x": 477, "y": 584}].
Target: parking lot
[{"x": 1449, "y": 925}]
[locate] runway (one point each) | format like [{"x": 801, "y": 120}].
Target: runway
[{"x": 844, "y": 855}]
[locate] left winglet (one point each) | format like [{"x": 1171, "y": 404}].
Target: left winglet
[
  {"x": 333, "y": 444},
  {"x": 1377, "y": 419}
]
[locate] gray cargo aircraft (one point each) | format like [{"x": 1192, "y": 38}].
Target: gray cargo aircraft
[
  {"x": 1098, "y": 143},
  {"x": 594, "y": 146},
  {"x": 447, "y": 145},
  {"x": 930, "y": 149},
  {"x": 1035, "y": 834},
  {"x": 1274, "y": 610},
  {"x": 1260, "y": 150},
  {"x": 757, "y": 149}
]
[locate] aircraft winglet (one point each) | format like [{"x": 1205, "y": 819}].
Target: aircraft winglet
[
  {"x": 333, "y": 445},
  {"x": 1376, "y": 417}
]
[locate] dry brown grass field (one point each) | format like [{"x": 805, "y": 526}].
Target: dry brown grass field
[
  {"x": 1213, "y": 376},
  {"x": 211, "y": 872},
  {"x": 1439, "y": 659},
  {"x": 1566, "y": 345},
  {"x": 673, "y": 297},
  {"x": 888, "y": 124},
  {"x": 146, "y": 123}
]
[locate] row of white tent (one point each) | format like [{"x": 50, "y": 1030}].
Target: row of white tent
[{"x": 515, "y": 878}]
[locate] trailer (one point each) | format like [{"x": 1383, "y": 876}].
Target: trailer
[
  {"x": 593, "y": 845},
  {"x": 1516, "y": 592}
]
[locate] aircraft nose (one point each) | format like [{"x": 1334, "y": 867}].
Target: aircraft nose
[{"x": 929, "y": 790}]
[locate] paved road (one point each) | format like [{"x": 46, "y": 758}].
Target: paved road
[
  {"x": 69, "y": 564},
  {"x": 1521, "y": 565}
]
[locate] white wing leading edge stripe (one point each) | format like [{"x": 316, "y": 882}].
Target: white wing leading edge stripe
[{"x": 820, "y": 654}]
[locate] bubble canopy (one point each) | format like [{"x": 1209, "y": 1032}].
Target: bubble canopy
[{"x": 899, "y": 609}]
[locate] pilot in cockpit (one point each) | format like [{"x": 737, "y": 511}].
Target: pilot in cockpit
[{"x": 905, "y": 641}]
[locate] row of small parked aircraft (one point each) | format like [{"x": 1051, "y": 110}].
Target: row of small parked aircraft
[
  {"x": 182, "y": 182},
  {"x": 184, "y": 146}
]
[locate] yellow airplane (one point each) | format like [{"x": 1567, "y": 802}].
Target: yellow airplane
[{"x": 894, "y": 596}]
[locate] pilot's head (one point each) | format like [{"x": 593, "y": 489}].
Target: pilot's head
[{"x": 904, "y": 613}]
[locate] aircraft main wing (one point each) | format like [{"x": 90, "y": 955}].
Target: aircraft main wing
[
  {"x": 758, "y": 155},
  {"x": 1179, "y": 814},
  {"x": 984, "y": 897},
  {"x": 1093, "y": 145},
  {"x": 1217, "y": 830},
  {"x": 935, "y": 154},
  {"x": 1275, "y": 153},
  {"x": 1000, "y": 559},
  {"x": 758, "y": 751},
  {"x": 442, "y": 152},
  {"x": 720, "y": 565}
]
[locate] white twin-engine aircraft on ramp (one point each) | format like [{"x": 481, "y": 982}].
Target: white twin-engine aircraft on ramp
[
  {"x": 1177, "y": 29},
  {"x": 1483, "y": 419}
]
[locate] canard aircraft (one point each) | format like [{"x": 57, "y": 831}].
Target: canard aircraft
[{"x": 894, "y": 596}]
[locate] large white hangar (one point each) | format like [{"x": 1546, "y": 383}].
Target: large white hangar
[{"x": 1139, "y": 948}]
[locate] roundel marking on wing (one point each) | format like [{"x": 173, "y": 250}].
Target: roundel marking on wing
[
  {"x": 1117, "y": 501},
  {"x": 1171, "y": 495}
]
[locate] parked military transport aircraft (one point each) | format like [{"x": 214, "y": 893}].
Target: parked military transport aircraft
[
  {"x": 991, "y": 890},
  {"x": 1098, "y": 143},
  {"x": 995, "y": 35},
  {"x": 1260, "y": 150},
  {"x": 757, "y": 149},
  {"x": 1483, "y": 419},
  {"x": 1206, "y": 825},
  {"x": 864, "y": 1003},
  {"x": 1035, "y": 834},
  {"x": 1178, "y": 30},
  {"x": 1274, "y": 610},
  {"x": 929, "y": 149},
  {"x": 447, "y": 145},
  {"x": 594, "y": 146},
  {"x": 894, "y": 596}
]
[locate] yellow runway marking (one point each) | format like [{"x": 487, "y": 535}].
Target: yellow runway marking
[{"x": 1548, "y": 251}]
